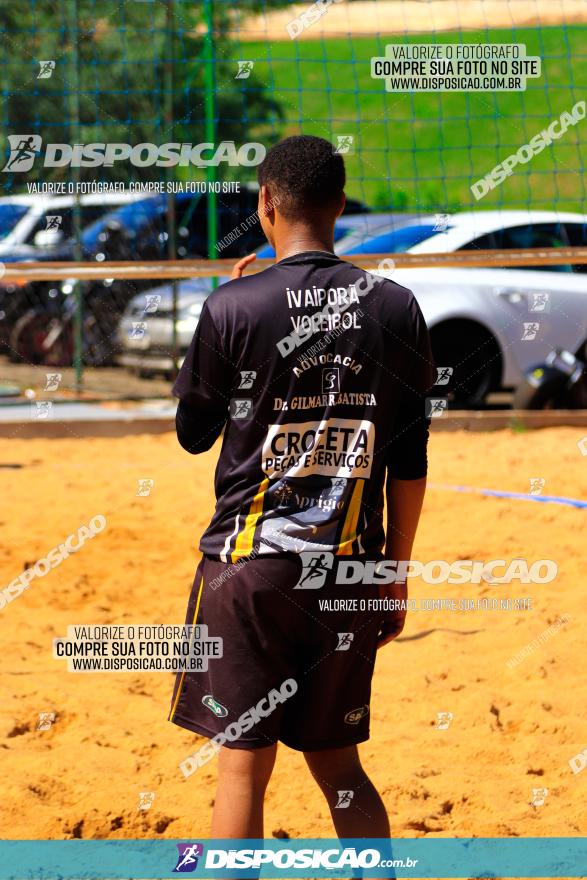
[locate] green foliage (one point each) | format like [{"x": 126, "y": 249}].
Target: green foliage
[
  {"x": 414, "y": 152},
  {"x": 431, "y": 146},
  {"x": 124, "y": 50}
]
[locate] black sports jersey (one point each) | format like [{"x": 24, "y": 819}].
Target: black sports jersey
[{"x": 318, "y": 371}]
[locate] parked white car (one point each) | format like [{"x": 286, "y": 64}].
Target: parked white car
[
  {"x": 492, "y": 325},
  {"x": 25, "y": 219}
]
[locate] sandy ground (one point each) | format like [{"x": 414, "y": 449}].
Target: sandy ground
[
  {"x": 368, "y": 17},
  {"x": 513, "y": 729},
  {"x": 98, "y": 382}
]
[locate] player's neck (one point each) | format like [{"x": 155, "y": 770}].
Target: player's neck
[{"x": 301, "y": 239}]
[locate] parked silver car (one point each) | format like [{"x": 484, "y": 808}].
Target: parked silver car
[
  {"x": 488, "y": 325},
  {"x": 145, "y": 331}
]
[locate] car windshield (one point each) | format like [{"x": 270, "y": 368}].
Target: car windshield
[
  {"x": 340, "y": 232},
  {"x": 131, "y": 217},
  {"x": 394, "y": 241},
  {"x": 9, "y": 217},
  {"x": 266, "y": 251},
  {"x": 134, "y": 216}
]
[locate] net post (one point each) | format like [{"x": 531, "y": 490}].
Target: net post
[
  {"x": 210, "y": 125},
  {"x": 171, "y": 218},
  {"x": 74, "y": 126}
]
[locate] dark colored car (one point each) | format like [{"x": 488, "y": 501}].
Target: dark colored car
[{"x": 135, "y": 231}]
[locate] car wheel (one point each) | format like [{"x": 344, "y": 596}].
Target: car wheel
[
  {"x": 545, "y": 387},
  {"x": 475, "y": 359},
  {"x": 29, "y": 336}
]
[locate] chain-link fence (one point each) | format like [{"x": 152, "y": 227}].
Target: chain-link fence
[{"x": 132, "y": 132}]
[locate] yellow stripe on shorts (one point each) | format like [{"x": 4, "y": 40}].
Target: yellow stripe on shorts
[
  {"x": 194, "y": 619},
  {"x": 349, "y": 530},
  {"x": 244, "y": 540}
]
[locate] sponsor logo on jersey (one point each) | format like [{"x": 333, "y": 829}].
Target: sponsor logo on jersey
[
  {"x": 344, "y": 360},
  {"x": 330, "y": 379},
  {"x": 219, "y": 710},
  {"x": 319, "y": 401},
  {"x": 355, "y": 715},
  {"x": 330, "y": 448}
]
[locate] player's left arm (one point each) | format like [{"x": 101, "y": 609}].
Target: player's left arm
[
  {"x": 241, "y": 265},
  {"x": 203, "y": 387},
  {"x": 407, "y": 467},
  {"x": 404, "y": 505}
]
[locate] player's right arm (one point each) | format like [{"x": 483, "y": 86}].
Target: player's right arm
[{"x": 203, "y": 387}]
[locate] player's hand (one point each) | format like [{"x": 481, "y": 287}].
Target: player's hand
[
  {"x": 240, "y": 267},
  {"x": 393, "y": 622}
]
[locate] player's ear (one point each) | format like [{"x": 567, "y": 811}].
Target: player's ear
[
  {"x": 341, "y": 204},
  {"x": 266, "y": 201}
]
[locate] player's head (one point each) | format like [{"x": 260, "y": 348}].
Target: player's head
[{"x": 301, "y": 183}]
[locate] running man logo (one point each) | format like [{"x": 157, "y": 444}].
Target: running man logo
[
  {"x": 24, "y": 149},
  {"x": 537, "y": 484},
  {"x": 53, "y": 221},
  {"x": 247, "y": 379},
  {"x": 441, "y": 223},
  {"x": 144, "y": 488},
  {"x": 42, "y": 409},
  {"x": 443, "y": 375},
  {"x": 188, "y": 855},
  {"x": 244, "y": 69},
  {"x": 315, "y": 568},
  {"x": 46, "y": 720},
  {"x": 578, "y": 762},
  {"x": 344, "y": 799},
  {"x": 344, "y": 143},
  {"x": 210, "y": 703},
  {"x": 241, "y": 409},
  {"x": 443, "y": 720},
  {"x": 146, "y": 799},
  {"x": 435, "y": 407},
  {"x": 53, "y": 380},
  {"x": 539, "y": 795},
  {"x": 355, "y": 715},
  {"x": 530, "y": 331},
  {"x": 137, "y": 330},
  {"x": 46, "y": 69},
  {"x": 539, "y": 302},
  {"x": 152, "y": 303}
]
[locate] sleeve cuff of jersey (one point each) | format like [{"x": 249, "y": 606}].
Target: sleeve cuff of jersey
[
  {"x": 408, "y": 458},
  {"x": 196, "y": 431},
  {"x": 416, "y": 472}
]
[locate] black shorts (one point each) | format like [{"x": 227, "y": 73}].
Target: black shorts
[{"x": 290, "y": 670}]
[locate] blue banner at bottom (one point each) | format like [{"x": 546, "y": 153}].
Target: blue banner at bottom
[{"x": 304, "y": 858}]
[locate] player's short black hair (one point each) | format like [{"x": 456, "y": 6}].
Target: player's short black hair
[{"x": 305, "y": 173}]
